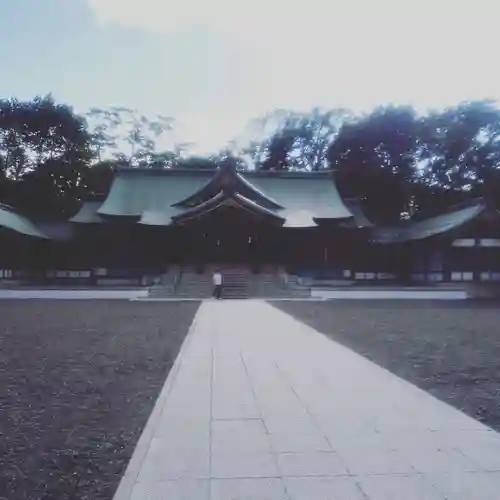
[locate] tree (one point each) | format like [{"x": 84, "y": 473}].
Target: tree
[
  {"x": 52, "y": 190},
  {"x": 226, "y": 159},
  {"x": 104, "y": 125},
  {"x": 96, "y": 179},
  {"x": 196, "y": 162},
  {"x": 43, "y": 147},
  {"x": 299, "y": 140},
  {"x": 461, "y": 145},
  {"x": 278, "y": 151},
  {"x": 314, "y": 132},
  {"x": 56, "y": 132},
  {"x": 116, "y": 128},
  {"x": 33, "y": 132},
  {"x": 374, "y": 158}
]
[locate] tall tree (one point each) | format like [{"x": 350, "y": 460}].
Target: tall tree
[
  {"x": 96, "y": 179},
  {"x": 118, "y": 129},
  {"x": 297, "y": 140},
  {"x": 279, "y": 150},
  {"x": 104, "y": 124},
  {"x": 43, "y": 147},
  {"x": 461, "y": 145},
  {"x": 196, "y": 162},
  {"x": 374, "y": 158},
  {"x": 33, "y": 132}
]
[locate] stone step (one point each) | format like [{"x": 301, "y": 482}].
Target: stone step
[{"x": 238, "y": 282}]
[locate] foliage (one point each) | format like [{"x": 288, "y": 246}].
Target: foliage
[
  {"x": 44, "y": 146},
  {"x": 461, "y": 144},
  {"x": 399, "y": 163},
  {"x": 297, "y": 140},
  {"x": 376, "y": 155},
  {"x": 126, "y": 135},
  {"x": 196, "y": 162},
  {"x": 278, "y": 150},
  {"x": 96, "y": 179},
  {"x": 34, "y": 132}
]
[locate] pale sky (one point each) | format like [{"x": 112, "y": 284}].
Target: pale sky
[{"x": 215, "y": 64}]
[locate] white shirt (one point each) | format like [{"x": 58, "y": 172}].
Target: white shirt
[{"x": 217, "y": 279}]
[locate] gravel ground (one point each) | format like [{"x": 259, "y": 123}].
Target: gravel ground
[
  {"x": 450, "y": 349},
  {"x": 78, "y": 380}
]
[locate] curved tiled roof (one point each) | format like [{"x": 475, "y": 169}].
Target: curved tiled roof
[
  {"x": 12, "y": 220},
  {"x": 159, "y": 218},
  {"x": 360, "y": 218},
  {"x": 247, "y": 188},
  {"x": 220, "y": 200},
  {"x": 432, "y": 226},
  {"x": 136, "y": 191},
  {"x": 156, "y": 197},
  {"x": 88, "y": 213},
  {"x": 311, "y": 194},
  {"x": 236, "y": 182}
]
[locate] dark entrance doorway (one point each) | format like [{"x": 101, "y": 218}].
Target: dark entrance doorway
[{"x": 229, "y": 235}]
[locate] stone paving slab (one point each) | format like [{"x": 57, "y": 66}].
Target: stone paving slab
[
  {"x": 262, "y": 407},
  {"x": 68, "y": 294},
  {"x": 381, "y": 293}
]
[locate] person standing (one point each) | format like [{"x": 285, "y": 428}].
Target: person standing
[{"x": 217, "y": 281}]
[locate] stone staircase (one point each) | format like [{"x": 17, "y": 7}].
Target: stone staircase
[
  {"x": 235, "y": 282},
  {"x": 194, "y": 285},
  {"x": 165, "y": 285},
  {"x": 239, "y": 282},
  {"x": 191, "y": 284},
  {"x": 273, "y": 283}
]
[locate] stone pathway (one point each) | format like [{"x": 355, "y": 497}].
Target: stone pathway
[
  {"x": 261, "y": 407},
  {"x": 68, "y": 294}
]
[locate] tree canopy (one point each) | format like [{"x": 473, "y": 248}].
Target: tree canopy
[
  {"x": 398, "y": 162},
  {"x": 43, "y": 147}
]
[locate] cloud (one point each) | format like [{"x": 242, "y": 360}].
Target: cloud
[
  {"x": 153, "y": 15},
  {"x": 288, "y": 21},
  {"x": 354, "y": 53}
]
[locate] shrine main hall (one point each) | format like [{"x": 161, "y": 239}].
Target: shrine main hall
[{"x": 294, "y": 222}]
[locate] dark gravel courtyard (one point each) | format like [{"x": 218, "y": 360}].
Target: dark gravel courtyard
[
  {"x": 450, "y": 349},
  {"x": 78, "y": 380}
]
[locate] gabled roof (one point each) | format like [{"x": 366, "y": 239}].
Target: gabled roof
[
  {"x": 432, "y": 226},
  {"x": 57, "y": 230},
  {"x": 300, "y": 199},
  {"x": 360, "y": 218},
  {"x": 11, "y": 219},
  {"x": 88, "y": 213},
  {"x": 252, "y": 191},
  {"x": 222, "y": 199},
  {"x": 307, "y": 198},
  {"x": 159, "y": 218},
  {"x": 136, "y": 191},
  {"x": 231, "y": 181}
]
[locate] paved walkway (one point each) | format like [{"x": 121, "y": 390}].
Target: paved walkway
[
  {"x": 261, "y": 407},
  {"x": 403, "y": 293},
  {"x": 68, "y": 294}
]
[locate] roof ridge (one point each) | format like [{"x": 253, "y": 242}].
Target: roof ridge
[
  {"x": 285, "y": 174},
  {"x": 229, "y": 179},
  {"x": 220, "y": 199}
]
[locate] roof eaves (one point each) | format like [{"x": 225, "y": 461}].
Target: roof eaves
[
  {"x": 246, "y": 202},
  {"x": 18, "y": 223},
  {"x": 166, "y": 172},
  {"x": 286, "y": 174},
  {"x": 88, "y": 214},
  {"x": 221, "y": 199},
  {"x": 260, "y": 193},
  {"x": 205, "y": 189},
  {"x": 206, "y": 206},
  {"x": 430, "y": 227}
]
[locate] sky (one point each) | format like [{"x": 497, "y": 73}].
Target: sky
[{"x": 213, "y": 64}]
